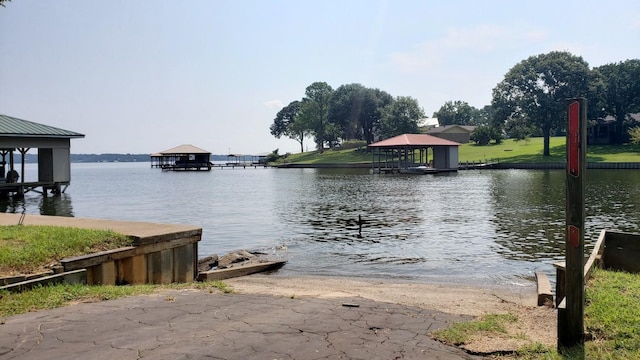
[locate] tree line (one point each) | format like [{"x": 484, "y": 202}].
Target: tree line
[
  {"x": 350, "y": 112},
  {"x": 529, "y": 101}
]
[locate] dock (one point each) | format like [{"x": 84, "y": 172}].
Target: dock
[{"x": 21, "y": 188}]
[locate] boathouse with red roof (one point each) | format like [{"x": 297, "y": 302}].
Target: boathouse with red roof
[{"x": 408, "y": 153}]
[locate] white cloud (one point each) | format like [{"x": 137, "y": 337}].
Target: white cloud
[{"x": 464, "y": 43}]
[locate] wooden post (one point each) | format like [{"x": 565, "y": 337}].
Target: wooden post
[{"x": 571, "y": 332}]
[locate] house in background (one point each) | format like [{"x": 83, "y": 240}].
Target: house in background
[
  {"x": 457, "y": 133},
  {"x": 603, "y": 131},
  {"x": 426, "y": 124}
]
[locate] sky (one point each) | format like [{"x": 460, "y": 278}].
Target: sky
[{"x": 148, "y": 75}]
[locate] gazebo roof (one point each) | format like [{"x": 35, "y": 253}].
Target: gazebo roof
[
  {"x": 16, "y": 128},
  {"x": 183, "y": 149},
  {"x": 413, "y": 140}
]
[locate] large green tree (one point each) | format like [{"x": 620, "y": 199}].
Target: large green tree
[
  {"x": 619, "y": 93},
  {"x": 346, "y": 108},
  {"x": 314, "y": 112},
  {"x": 357, "y": 110},
  {"x": 535, "y": 90},
  {"x": 458, "y": 113},
  {"x": 401, "y": 117},
  {"x": 285, "y": 124}
]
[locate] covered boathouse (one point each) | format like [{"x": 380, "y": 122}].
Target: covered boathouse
[
  {"x": 408, "y": 153},
  {"x": 54, "y": 157},
  {"x": 182, "y": 158}
]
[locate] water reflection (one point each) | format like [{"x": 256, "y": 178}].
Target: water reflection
[
  {"x": 47, "y": 205},
  {"x": 56, "y": 205},
  {"x": 530, "y": 210},
  {"x": 529, "y": 214}
]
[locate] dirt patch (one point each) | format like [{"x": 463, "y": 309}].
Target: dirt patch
[{"x": 533, "y": 325}]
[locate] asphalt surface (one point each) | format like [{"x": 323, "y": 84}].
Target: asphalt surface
[{"x": 198, "y": 324}]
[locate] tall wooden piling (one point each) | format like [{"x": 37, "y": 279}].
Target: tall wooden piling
[{"x": 571, "y": 316}]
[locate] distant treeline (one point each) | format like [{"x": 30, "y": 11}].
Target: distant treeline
[{"x": 86, "y": 158}]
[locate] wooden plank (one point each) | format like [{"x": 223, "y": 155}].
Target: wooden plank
[
  {"x": 183, "y": 270},
  {"x": 132, "y": 270},
  {"x": 104, "y": 274},
  {"x": 166, "y": 266},
  {"x": 544, "y": 289},
  {"x": 196, "y": 234},
  {"x": 239, "y": 271},
  {"x": 72, "y": 277},
  {"x": 85, "y": 261},
  {"x": 596, "y": 255},
  {"x": 621, "y": 252},
  {"x": 95, "y": 259},
  {"x": 154, "y": 268},
  {"x": 560, "y": 277},
  {"x": 160, "y": 267}
]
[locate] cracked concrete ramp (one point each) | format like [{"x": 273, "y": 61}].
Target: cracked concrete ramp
[{"x": 196, "y": 324}]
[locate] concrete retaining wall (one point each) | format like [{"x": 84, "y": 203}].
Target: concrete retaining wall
[{"x": 161, "y": 253}]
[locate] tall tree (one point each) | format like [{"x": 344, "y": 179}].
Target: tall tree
[
  {"x": 314, "y": 111},
  {"x": 458, "y": 113},
  {"x": 358, "y": 110},
  {"x": 346, "y": 108},
  {"x": 375, "y": 101},
  {"x": 621, "y": 93},
  {"x": 401, "y": 117},
  {"x": 285, "y": 124},
  {"x": 536, "y": 88}
]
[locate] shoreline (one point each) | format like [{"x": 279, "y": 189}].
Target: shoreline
[
  {"x": 455, "y": 298},
  {"x": 463, "y": 166},
  {"x": 534, "y": 324}
]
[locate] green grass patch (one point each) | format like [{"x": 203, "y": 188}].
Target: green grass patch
[
  {"x": 524, "y": 151},
  {"x": 531, "y": 151},
  {"x": 462, "y": 332},
  {"x": 612, "y": 315},
  {"x": 49, "y": 297},
  {"x": 331, "y": 156},
  {"x": 27, "y": 249}
]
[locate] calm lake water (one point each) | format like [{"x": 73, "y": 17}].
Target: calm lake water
[{"x": 492, "y": 226}]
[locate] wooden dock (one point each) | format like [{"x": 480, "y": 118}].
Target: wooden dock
[{"x": 21, "y": 188}]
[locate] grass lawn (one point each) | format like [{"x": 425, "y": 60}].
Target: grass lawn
[
  {"x": 525, "y": 151},
  {"x": 530, "y": 151},
  {"x": 612, "y": 315},
  {"x": 28, "y": 249}
]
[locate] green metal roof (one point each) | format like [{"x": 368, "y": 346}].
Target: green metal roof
[{"x": 14, "y": 127}]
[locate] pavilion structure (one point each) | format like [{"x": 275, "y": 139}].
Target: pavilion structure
[
  {"x": 54, "y": 158},
  {"x": 408, "y": 153},
  {"x": 182, "y": 158}
]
